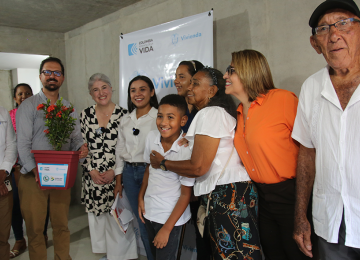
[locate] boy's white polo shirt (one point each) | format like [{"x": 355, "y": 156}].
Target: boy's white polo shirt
[{"x": 164, "y": 187}]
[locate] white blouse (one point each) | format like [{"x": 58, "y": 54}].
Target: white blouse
[
  {"x": 217, "y": 123},
  {"x": 8, "y": 151},
  {"x": 130, "y": 147}
]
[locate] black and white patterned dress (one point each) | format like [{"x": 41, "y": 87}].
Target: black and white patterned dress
[{"x": 99, "y": 198}]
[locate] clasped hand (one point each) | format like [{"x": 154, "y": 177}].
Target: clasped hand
[
  {"x": 155, "y": 159},
  {"x": 102, "y": 178}
]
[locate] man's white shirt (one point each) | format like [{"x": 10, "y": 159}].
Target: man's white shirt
[{"x": 322, "y": 124}]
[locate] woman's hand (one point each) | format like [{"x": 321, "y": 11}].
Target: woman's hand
[
  {"x": 83, "y": 151},
  {"x": 118, "y": 189},
  {"x": 161, "y": 239},
  {"x": 183, "y": 141},
  {"x": 155, "y": 159},
  {"x": 141, "y": 209},
  {"x": 96, "y": 177},
  {"x": 108, "y": 176}
]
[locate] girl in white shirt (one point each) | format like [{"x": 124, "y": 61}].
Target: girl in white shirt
[{"x": 133, "y": 129}]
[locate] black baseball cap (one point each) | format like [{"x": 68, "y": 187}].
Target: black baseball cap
[{"x": 348, "y": 5}]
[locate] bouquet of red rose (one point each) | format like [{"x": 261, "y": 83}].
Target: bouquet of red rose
[{"x": 59, "y": 122}]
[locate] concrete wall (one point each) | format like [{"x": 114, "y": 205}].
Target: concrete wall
[
  {"x": 5, "y": 88},
  {"x": 277, "y": 28},
  {"x": 15, "y": 40}
]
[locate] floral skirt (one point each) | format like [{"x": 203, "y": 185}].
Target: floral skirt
[{"x": 233, "y": 221}]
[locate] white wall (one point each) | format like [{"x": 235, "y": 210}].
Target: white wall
[
  {"x": 15, "y": 40},
  {"x": 29, "y": 76}
]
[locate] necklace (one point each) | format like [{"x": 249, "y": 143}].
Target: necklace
[{"x": 104, "y": 113}]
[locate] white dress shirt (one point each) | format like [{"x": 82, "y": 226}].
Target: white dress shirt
[
  {"x": 129, "y": 147},
  {"x": 8, "y": 152},
  {"x": 217, "y": 123},
  {"x": 164, "y": 187},
  {"x": 322, "y": 124}
]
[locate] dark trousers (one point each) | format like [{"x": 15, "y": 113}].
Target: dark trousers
[
  {"x": 338, "y": 251},
  {"x": 132, "y": 177},
  {"x": 17, "y": 219},
  {"x": 6, "y": 202},
  {"x": 276, "y": 221},
  {"x": 203, "y": 253},
  {"x": 169, "y": 251}
]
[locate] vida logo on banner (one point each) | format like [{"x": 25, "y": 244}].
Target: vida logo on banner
[
  {"x": 144, "y": 47},
  {"x": 132, "y": 49},
  {"x": 157, "y": 51}
]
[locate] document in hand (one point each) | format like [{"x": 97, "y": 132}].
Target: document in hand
[{"x": 121, "y": 213}]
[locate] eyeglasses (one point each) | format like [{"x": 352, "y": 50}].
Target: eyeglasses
[
  {"x": 230, "y": 70},
  {"x": 49, "y": 72},
  {"x": 135, "y": 131},
  {"x": 341, "y": 25}
]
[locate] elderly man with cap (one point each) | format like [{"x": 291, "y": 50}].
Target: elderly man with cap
[{"x": 327, "y": 127}]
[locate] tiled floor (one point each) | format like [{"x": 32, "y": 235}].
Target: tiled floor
[{"x": 80, "y": 247}]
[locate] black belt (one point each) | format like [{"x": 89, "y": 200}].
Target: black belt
[{"x": 136, "y": 164}]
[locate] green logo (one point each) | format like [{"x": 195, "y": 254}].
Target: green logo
[{"x": 46, "y": 178}]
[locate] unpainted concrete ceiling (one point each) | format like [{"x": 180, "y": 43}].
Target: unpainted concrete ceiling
[{"x": 56, "y": 15}]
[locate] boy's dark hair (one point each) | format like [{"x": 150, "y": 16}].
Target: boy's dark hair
[
  {"x": 176, "y": 101},
  {"x": 52, "y": 59}
]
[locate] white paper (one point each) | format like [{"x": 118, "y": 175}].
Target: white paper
[{"x": 122, "y": 215}]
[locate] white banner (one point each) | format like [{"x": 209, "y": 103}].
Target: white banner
[{"x": 157, "y": 51}]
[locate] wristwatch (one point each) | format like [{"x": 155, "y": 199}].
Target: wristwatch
[{"x": 162, "y": 165}]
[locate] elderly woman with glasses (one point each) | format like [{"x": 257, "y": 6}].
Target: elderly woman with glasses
[
  {"x": 99, "y": 126},
  {"x": 221, "y": 179},
  {"x": 265, "y": 120}
]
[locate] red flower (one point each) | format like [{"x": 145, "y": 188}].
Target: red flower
[
  {"x": 64, "y": 108},
  {"x": 41, "y": 106},
  {"x": 72, "y": 110},
  {"x": 46, "y": 131},
  {"x": 59, "y": 114},
  {"x": 48, "y": 115},
  {"x": 51, "y": 108}
]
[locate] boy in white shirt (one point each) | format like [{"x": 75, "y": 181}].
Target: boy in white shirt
[{"x": 164, "y": 196}]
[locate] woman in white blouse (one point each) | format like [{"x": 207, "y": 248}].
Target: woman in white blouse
[
  {"x": 233, "y": 202},
  {"x": 133, "y": 129}
]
